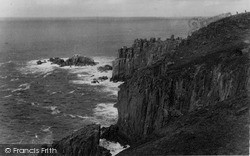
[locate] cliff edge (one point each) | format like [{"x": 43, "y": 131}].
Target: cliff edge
[{"x": 193, "y": 98}]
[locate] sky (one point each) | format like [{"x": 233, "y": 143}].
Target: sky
[{"x": 120, "y": 8}]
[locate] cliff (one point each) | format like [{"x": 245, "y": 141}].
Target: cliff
[
  {"x": 142, "y": 53},
  {"x": 205, "y": 71}
]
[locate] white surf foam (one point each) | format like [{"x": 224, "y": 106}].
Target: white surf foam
[
  {"x": 86, "y": 74},
  {"x": 24, "y": 86},
  {"x": 5, "y": 63},
  {"x": 71, "y": 91},
  {"x": 114, "y": 148},
  {"x": 3, "y": 77},
  {"x": 14, "y": 79},
  {"x": 7, "y": 96},
  {"x": 54, "y": 110},
  {"x": 106, "y": 114},
  {"x": 33, "y": 68}
]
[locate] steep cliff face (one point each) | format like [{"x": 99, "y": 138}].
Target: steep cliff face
[
  {"x": 219, "y": 129},
  {"x": 208, "y": 67},
  {"x": 142, "y": 53}
]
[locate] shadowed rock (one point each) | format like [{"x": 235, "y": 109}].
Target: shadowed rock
[
  {"x": 76, "y": 60},
  {"x": 82, "y": 142},
  {"x": 104, "y": 68}
]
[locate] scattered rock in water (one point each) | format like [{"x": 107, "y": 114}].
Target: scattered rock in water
[
  {"x": 40, "y": 62},
  {"x": 94, "y": 81},
  {"x": 57, "y": 61},
  {"x": 103, "y": 78},
  {"x": 105, "y": 68},
  {"x": 76, "y": 60}
]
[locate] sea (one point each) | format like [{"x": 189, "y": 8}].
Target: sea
[{"x": 43, "y": 103}]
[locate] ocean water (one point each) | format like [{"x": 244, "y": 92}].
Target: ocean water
[{"x": 42, "y": 103}]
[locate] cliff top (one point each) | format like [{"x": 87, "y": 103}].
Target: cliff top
[
  {"x": 215, "y": 42},
  {"x": 226, "y": 34}
]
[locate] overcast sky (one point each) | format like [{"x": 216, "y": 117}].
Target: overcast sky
[{"x": 128, "y": 8}]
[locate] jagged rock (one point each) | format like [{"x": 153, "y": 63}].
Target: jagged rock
[
  {"x": 94, "y": 81},
  {"x": 39, "y": 62},
  {"x": 76, "y": 60},
  {"x": 105, "y": 68},
  {"x": 82, "y": 142},
  {"x": 80, "y": 61},
  {"x": 113, "y": 134},
  {"x": 142, "y": 53},
  {"x": 103, "y": 78},
  {"x": 57, "y": 61}
]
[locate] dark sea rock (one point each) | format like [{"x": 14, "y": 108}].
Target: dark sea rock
[
  {"x": 103, "y": 78},
  {"x": 82, "y": 142},
  {"x": 57, "y": 61},
  {"x": 105, "y": 68},
  {"x": 76, "y": 60},
  {"x": 95, "y": 81},
  {"x": 39, "y": 62}
]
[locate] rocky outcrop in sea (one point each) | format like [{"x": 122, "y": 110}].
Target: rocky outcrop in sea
[{"x": 76, "y": 60}]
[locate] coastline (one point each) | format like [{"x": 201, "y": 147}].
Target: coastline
[{"x": 179, "y": 108}]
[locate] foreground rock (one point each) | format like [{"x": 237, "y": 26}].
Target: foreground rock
[
  {"x": 221, "y": 129},
  {"x": 82, "y": 142},
  {"x": 113, "y": 134},
  {"x": 76, "y": 60},
  {"x": 104, "y": 68}
]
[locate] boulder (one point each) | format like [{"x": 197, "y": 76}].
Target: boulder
[
  {"x": 105, "y": 68},
  {"x": 94, "y": 81},
  {"x": 103, "y": 78},
  {"x": 40, "y": 62}
]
